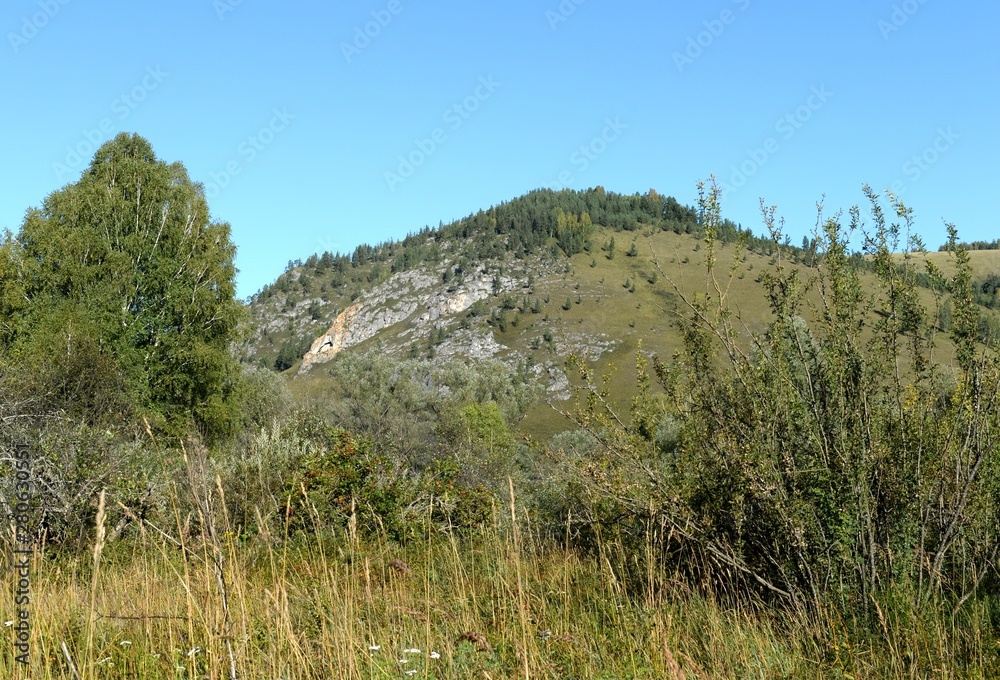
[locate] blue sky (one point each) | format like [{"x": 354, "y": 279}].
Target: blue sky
[{"x": 319, "y": 126}]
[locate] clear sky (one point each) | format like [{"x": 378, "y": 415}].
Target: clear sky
[{"x": 321, "y": 125}]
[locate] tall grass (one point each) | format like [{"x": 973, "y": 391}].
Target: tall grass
[{"x": 498, "y": 603}]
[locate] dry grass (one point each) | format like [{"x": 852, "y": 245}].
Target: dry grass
[
  {"x": 499, "y": 604},
  {"x": 983, "y": 262}
]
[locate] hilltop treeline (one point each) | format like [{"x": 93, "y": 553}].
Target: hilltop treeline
[
  {"x": 543, "y": 222},
  {"x": 976, "y": 245},
  {"x": 558, "y": 223}
]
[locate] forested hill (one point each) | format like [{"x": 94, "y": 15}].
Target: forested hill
[
  {"x": 533, "y": 232},
  {"x": 513, "y": 259},
  {"x": 541, "y": 225},
  {"x": 542, "y": 221}
]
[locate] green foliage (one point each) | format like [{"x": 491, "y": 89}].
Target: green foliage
[
  {"x": 302, "y": 472},
  {"x": 824, "y": 459},
  {"x": 72, "y": 462},
  {"x": 944, "y": 316},
  {"x": 291, "y": 351},
  {"x": 124, "y": 268},
  {"x": 482, "y": 442},
  {"x": 976, "y": 245},
  {"x": 315, "y": 311},
  {"x": 341, "y": 477},
  {"x": 412, "y": 411},
  {"x": 987, "y": 291}
]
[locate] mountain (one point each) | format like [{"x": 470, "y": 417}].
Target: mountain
[{"x": 529, "y": 282}]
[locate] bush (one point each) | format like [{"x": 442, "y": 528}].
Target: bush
[
  {"x": 804, "y": 463},
  {"x": 341, "y": 477},
  {"x": 71, "y": 464},
  {"x": 312, "y": 477},
  {"x": 401, "y": 406}
]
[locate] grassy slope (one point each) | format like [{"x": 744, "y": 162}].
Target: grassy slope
[
  {"x": 984, "y": 262},
  {"x": 602, "y": 305},
  {"x": 648, "y": 314}
]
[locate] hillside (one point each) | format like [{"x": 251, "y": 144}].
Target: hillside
[
  {"x": 530, "y": 282},
  {"x": 392, "y": 446},
  {"x": 429, "y": 278}
]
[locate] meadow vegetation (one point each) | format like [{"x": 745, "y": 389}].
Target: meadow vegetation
[{"x": 812, "y": 491}]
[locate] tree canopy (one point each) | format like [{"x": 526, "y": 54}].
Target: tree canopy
[{"x": 125, "y": 272}]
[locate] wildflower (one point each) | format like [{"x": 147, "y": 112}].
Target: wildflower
[
  {"x": 411, "y": 651},
  {"x": 8, "y": 623},
  {"x": 125, "y": 643},
  {"x": 404, "y": 660},
  {"x": 374, "y": 648},
  {"x": 194, "y": 651},
  {"x": 411, "y": 672},
  {"x": 435, "y": 655}
]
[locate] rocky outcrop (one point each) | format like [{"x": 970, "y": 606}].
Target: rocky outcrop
[
  {"x": 328, "y": 345},
  {"x": 473, "y": 344},
  {"x": 398, "y": 300},
  {"x": 420, "y": 305}
]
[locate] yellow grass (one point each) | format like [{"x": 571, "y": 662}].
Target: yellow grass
[
  {"x": 983, "y": 262},
  {"x": 502, "y": 603}
]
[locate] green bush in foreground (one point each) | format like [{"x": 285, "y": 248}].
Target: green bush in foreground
[{"x": 834, "y": 457}]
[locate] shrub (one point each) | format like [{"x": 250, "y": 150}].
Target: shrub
[
  {"x": 825, "y": 459},
  {"x": 339, "y": 477}
]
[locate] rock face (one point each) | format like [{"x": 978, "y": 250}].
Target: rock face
[
  {"x": 424, "y": 311},
  {"x": 398, "y": 300},
  {"x": 328, "y": 345},
  {"x": 474, "y": 344}
]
